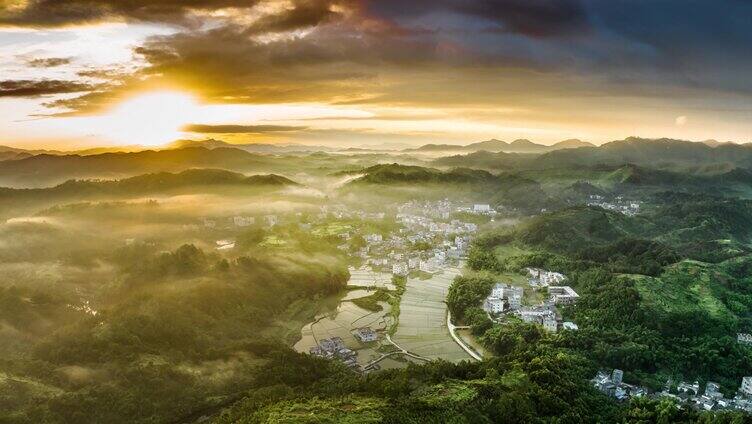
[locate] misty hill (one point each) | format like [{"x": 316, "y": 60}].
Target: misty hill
[
  {"x": 192, "y": 181},
  {"x": 158, "y": 182},
  {"x": 398, "y": 174},
  {"x": 45, "y": 169},
  {"x": 11, "y": 155},
  {"x": 488, "y": 160},
  {"x": 48, "y": 170},
  {"x": 653, "y": 153},
  {"x": 167, "y": 181},
  {"x": 509, "y": 190},
  {"x": 250, "y": 147},
  {"x": 82, "y": 152},
  {"x": 494, "y": 145}
]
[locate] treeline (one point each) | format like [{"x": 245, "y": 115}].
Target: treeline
[{"x": 535, "y": 377}]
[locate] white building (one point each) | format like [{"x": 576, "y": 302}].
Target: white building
[
  {"x": 365, "y": 335},
  {"x": 493, "y": 305},
  {"x": 513, "y": 295},
  {"x": 271, "y": 220},
  {"x": 746, "y": 386},
  {"x": 413, "y": 263},
  {"x": 550, "y": 323},
  {"x": 243, "y": 221},
  {"x": 481, "y": 208},
  {"x": 569, "y": 325},
  {"x": 562, "y": 295},
  {"x": 541, "y": 278},
  {"x": 400, "y": 269},
  {"x": 373, "y": 238},
  {"x": 542, "y": 316},
  {"x": 713, "y": 390}
]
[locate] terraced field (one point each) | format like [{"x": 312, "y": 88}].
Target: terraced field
[
  {"x": 364, "y": 277},
  {"x": 422, "y": 326}
]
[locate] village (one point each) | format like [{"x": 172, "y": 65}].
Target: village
[
  {"x": 427, "y": 241},
  {"x": 617, "y": 204},
  {"x": 506, "y": 300},
  {"x": 710, "y": 399}
]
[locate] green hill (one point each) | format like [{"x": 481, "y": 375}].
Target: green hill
[
  {"x": 400, "y": 174},
  {"x": 20, "y": 201}
]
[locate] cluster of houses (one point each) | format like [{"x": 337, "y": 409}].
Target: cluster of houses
[
  {"x": 449, "y": 240},
  {"x": 711, "y": 399},
  {"x": 618, "y": 204},
  {"x": 503, "y": 298},
  {"x": 394, "y": 254},
  {"x": 612, "y": 384},
  {"x": 540, "y": 278},
  {"x": 443, "y": 209},
  {"x": 335, "y": 348},
  {"x": 507, "y": 299},
  {"x": 366, "y": 335}
]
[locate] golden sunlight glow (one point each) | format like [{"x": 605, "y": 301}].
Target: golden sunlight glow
[{"x": 151, "y": 119}]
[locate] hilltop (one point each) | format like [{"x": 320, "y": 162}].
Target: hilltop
[
  {"x": 397, "y": 174},
  {"x": 494, "y": 145},
  {"x": 664, "y": 153},
  {"x": 192, "y": 181}
]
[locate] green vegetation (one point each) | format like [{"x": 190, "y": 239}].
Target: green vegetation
[
  {"x": 371, "y": 302},
  {"x": 647, "y": 305}
]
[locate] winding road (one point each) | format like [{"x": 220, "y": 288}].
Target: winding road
[{"x": 459, "y": 341}]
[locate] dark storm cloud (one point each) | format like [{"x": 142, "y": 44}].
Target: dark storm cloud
[
  {"x": 240, "y": 129},
  {"x": 29, "y": 88},
  {"x": 225, "y": 65},
  {"x": 419, "y": 51},
  {"x": 536, "y": 18},
  {"x": 304, "y": 14},
  {"x": 49, "y": 62},
  {"x": 43, "y": 13}
]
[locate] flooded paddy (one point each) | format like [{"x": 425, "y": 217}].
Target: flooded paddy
[
  {"x": 346, "y": 317},
  {"x": 362, "y": 277},
  {"x": 422, "y": 326}
]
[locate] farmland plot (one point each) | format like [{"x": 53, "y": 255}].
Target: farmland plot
[{"x": 422, "y": 321}]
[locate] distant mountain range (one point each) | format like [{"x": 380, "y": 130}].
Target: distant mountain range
[
  {"x": 14, "y": 153},
  {"x": 251, "y": 147},
  {"x": 155, "y": 183},
  {"x": 665, "y": 153},
  {"x": 494, "y": 145},
  {"x": 148, "y": 184},
  {"x": 46, "y": 169}
]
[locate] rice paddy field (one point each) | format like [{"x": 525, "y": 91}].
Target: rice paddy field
[
  {"x": 422, "y": 326},
  {"x": 364, "y": 277},
  {"x": 347, "y": 317}
]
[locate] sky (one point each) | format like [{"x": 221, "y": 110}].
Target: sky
[{"x": 372, "y": 73}]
